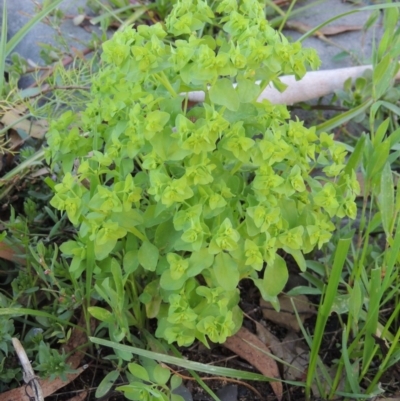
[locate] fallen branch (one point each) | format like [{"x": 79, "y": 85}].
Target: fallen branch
[{"x": 313, "y": 85}]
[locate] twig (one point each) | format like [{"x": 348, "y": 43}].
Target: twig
[
  {"x": 215, "y": 378},
  {"x": 28, "y": 374}
]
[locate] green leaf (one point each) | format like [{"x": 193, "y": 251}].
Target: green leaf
[
  {"x": 199, "y": 261},
  {"x": 343, "y": 118},
  {"x": 169, "y": 283},
  {"x": 161, "y": 375},
  {"x": 101, "y": 314},
  {"x": 138, "y": 371},
  {"x": 106, "y": 384},
  {"x": 224, "y": 94},
  {"x": 176, "y": 381},
  {"x": 298, "y": 257},
  {"x": 247, "y": 90},
  {"x": 102, "y": 250},
  {"x": 148, "y": 256},
  {"x": 383, "y": 75},
  {"x": 356, "y": 300},
  {"x": 380, "y": 132},
  {"x": 226, "y": 271},
  {"x": 275, "y": 277},
  {"x": 386, "y": 199},
  {"x": 128, "y": 219},
  {"x": 130, "y": 261},
  {"x": 166, "y": 235}
]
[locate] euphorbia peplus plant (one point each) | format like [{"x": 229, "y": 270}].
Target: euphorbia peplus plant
[{"x": 183, "y": 203}]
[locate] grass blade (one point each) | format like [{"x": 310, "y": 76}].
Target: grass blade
[
  {"x": 184, "y": 363},
  {"x": 326, "y": 306},
  {"x": 13, "y": 42},
  {"x": 13, "y": 312},
  {"x": 344, "y": 117}
]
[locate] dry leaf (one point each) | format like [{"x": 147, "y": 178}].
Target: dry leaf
[
  {"x": 286, "y": 316},
  {"x": 248, "y": 346},
  {"x": 35, "y": 129},
  {"x": 326, "y": 30},
  {"x": 8, "y": 253},
  {"x": 289, "y": 350}
]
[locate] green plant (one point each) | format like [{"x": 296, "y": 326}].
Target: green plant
[
  {"x": 178, "y": 204},
  {"x": 150, "y": 381}
]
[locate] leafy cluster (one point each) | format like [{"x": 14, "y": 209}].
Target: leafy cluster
[
  {"x": 184, "y": 202},
  {"x": 150, "y": 381}
]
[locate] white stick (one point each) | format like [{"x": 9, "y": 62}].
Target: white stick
[
  {"x": 28, "y": 374},
  {"x": 314, "y": 84}
]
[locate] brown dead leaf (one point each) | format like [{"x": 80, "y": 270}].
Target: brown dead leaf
[
  {"x": 326, "y": 30},
  {"x": 286, "y": 316},
  {"x": 289, "y": 350},
  {"x": 39, "y": 173},
  {"x": 7, "y": 252},
  {"x": 35, "y": 129},
  {"x": 247, "y": 346}
]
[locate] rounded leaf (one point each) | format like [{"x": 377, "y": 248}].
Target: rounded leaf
[{"x": 161, "y": 375}]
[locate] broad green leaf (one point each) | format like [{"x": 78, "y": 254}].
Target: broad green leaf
[
  {"x": 130, "y": 261},
  {"x": 169, "y": 283},
  {"x": 199, "y": 261},
  {"x": 226, "y": 271},
  {"x": 128, "y": 219},
  {"x": 223, "y": 93},
  {"x": 275, "y": 277},
  {"x": 166, "y": 235},
  {"x": 161, "y": 375},
  {"x": 102, "y": 250},
  {"x": 148, "y": 256},
  {"x": 138, "y": 371},
  {"x": 247, "y": 90},
  {"x": 176, "y": 397},
  {"x": 106, "y": 384},
  {"x": 176, "y": 381},
  {"x": 101, "y": 314}
]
